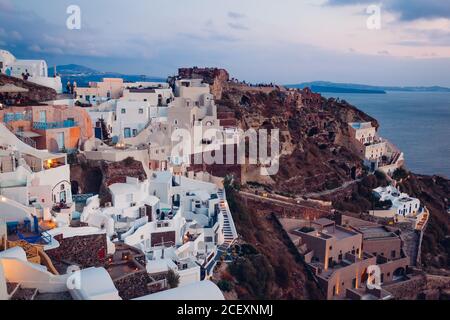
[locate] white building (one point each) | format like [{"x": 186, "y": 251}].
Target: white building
[
  {"x": 377, "y": 153},
  {"x": 37, "y": 70},
  {"x": 28, "y": 175},
  {"x": 176, "y": 221},
  {"x": 402, "y": 203},
  {"x": 157, "y": 94},
  {"x": 99, "y": 92}
]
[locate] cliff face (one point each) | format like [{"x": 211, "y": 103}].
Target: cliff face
[
  {"x": 96, "y": 176},
  {"x": 36, "y": 93},
  {"x": 311, "y": 130},
  {"x": 215, "y": 77}
]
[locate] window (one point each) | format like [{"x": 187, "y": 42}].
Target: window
[
  {"x": 141, "y": 111},
  {"x": 334, "y": 290},
  {"x": 123, "y": 111},
  {"x": 354, "y": 283},
  {"x": 393, "y": 254}
]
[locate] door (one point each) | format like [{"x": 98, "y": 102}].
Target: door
[
  {"x": 127, "y": 133},
  {"x": 62, "y": 197},
  {"x": 149, "y": 212},
  {"x": 60, "y": 140},
  {"x": 98, "y": 133},
  {"x": 42, "y": 116}
]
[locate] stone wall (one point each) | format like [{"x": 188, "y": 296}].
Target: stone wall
[
  {"x": 284, "y": 210},
  {"x": 85, "y": 251},
  {"x": 428, "y": 287},
  {"x": 133, "y": 285}
]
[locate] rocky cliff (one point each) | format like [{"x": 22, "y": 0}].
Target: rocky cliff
[
  {"x": 313, "y": 131},
  {"x": 311, "y": 127}
]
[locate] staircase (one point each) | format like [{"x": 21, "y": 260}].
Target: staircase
[
  {"x": 229, "y": 229},
  {"x": 27, "y": 140},
  {"x": 16, "y": 292}
]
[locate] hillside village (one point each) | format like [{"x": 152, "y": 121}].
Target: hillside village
[{"x": 95, "y": 203}]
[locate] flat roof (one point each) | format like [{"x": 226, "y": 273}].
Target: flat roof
[
  {"x": 376, "y": 232},
  {"x": 28, "y": 134},
  {"x": 324, "y": 222},
  {"x": 361, "y": 125}
]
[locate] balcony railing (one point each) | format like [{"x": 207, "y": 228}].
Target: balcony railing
[
  {"x": 54, "y": 125},
  {"x": 18, "y": 116}
]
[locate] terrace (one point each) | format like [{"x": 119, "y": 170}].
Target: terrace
[
  {"x": 126, "y": 260},
  {"x": 349, "y": 259}
]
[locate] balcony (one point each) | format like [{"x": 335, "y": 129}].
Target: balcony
[
  {"x": 18, "y": 116},
  {"x": 54, "y": 125}
]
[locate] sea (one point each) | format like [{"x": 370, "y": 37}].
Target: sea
[{"x": 416, "y": 122}]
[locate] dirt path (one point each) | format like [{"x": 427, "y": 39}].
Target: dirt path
[{"x": 328, "y": 192}]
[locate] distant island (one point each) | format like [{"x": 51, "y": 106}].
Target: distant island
[
  {"x": 333, "y": 87},
  {"x": 83, "y": 75}
]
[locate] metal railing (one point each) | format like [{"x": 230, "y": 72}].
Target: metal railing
[
  {"x": 54, "y": 125},
  {"x": 18, "y": 116}
]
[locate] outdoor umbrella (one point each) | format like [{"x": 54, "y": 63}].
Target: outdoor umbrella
[{"x": 11, "y": 88}]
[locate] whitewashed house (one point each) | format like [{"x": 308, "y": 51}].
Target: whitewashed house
[
  {"x": 36, "y": 69},
  {"x": 402, "y": 203}
]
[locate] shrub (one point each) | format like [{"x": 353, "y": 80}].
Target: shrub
[
  {"x": 400, "y": 174},
  {"x": 247, "y": 249},
  {"x": 225, "y": 285},
  {"x": 173, "y": 279},
  {"x": 128, "y": 161},
  {"x": 255, "y": 273}
]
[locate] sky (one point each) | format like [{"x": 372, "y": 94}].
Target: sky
[{"x": 281, "y": 41}]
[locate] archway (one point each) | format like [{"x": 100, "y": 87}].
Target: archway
[
  {"x": 399, "y": 273},
  {"x": 75, "y": 187}
]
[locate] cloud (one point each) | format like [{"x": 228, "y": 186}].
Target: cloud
[
  {"x": 208, "y": 37},
  {"x": 15, "y": 35},
  {"x": 408, "y": 10},
  {"x": 236, "y": 23},
  {"x": 6, "y": 5},
  {"x": 425, "y": 38},
  {"x": 237, "y": 26},
  {"x": 235, "y": 15}
]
